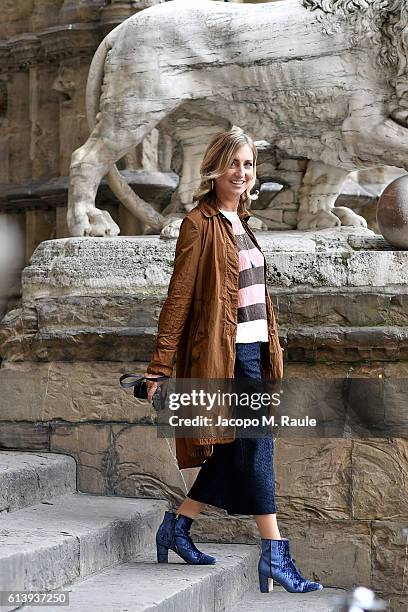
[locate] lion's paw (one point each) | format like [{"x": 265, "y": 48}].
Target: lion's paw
[
  {"x": 349, "y": 217},
  {"x": 171, "y": 228},
  {"x": 92, "y": 222},
  {"x": 320, "y": 220}
]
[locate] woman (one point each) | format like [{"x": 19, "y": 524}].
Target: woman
[{"x": 218, "y": 318}]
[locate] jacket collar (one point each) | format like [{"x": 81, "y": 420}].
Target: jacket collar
[{"x": 209, "y": 210}]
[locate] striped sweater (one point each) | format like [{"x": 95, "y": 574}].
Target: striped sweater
[{"x": 252, "y": 316}]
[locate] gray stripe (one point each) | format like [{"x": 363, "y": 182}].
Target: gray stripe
[
  {"x": 253, "y": 312},
  {"x": 242, "y": 244},
  {"x": 251, "y": 276}
]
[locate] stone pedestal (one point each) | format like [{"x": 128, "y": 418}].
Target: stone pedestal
[{"x": 89, "y": 313}]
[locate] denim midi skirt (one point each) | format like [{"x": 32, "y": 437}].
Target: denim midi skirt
[{"x": 239, "y": 476}]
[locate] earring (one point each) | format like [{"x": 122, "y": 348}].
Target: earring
[{"x": 212, "y": 185}]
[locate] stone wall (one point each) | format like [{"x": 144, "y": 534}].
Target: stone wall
[{"x": 89, "y": 314}]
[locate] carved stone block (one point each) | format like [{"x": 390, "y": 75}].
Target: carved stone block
[
  {"x": 380, "y": 479},
  {"x": 121, "y": 459},
  {"x": 322, "y": 492},
  {"x": 389, "y": 556}
]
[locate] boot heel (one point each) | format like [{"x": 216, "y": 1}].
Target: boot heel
[
  {"x": 162, "y": 554},
  {"x": 265, "y": 583}
]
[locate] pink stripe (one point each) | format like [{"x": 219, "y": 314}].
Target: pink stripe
[
  {"x": 237, "y": 227},
  {"x": 254, "y": 294},
  {"x": 245, "y": 258}
]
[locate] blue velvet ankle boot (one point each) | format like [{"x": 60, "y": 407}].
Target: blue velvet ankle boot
[
  {"x": 174, "y": 533},
  {"x": 277, "y": 564}
]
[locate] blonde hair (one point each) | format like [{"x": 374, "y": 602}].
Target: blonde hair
[{"x": 218, "y": 158}]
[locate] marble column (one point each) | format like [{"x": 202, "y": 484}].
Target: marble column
[
  {"x": 19, "y": 127},
  {"x": 44, "y": 121},
  {"x": 70, "y": 83}
]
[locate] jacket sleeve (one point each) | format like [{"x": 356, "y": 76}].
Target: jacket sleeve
[{"x": 176, "y": 307}]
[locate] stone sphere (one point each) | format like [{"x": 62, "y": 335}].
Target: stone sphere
[{"x": 392, "y": 212}]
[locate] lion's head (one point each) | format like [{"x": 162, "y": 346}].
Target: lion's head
[
  {"x": 381, "y": 24},
  {"x": 377, "y": 22}
]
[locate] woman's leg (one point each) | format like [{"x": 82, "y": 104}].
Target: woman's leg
[
  {"x": 190, "y": 508},
  {"x": 249, "y": 366},
  {"x": 268, "y": 526}
]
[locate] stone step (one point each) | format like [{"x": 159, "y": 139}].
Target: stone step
[
  {"x": 229, "y": 585},
  {"x": 331, "y": 344},
  {"x": 29, "y": 478},
  {"x": 326, "y": 600},
  {"x": 56, "y": 542},
  {"x": 143, "y": 584}
]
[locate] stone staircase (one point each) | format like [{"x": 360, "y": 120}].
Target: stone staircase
[{"x": 101, "y": 550}]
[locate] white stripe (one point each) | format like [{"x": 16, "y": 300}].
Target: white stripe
[{"x": 252, "y": 331}]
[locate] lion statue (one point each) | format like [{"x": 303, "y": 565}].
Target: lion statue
[{"x": 322, "y": 80}]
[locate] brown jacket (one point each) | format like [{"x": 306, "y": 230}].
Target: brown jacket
[{"x": 198, "y": 320}]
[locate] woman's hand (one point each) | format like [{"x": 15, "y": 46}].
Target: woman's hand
[{"x": 151, "y": 386}]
